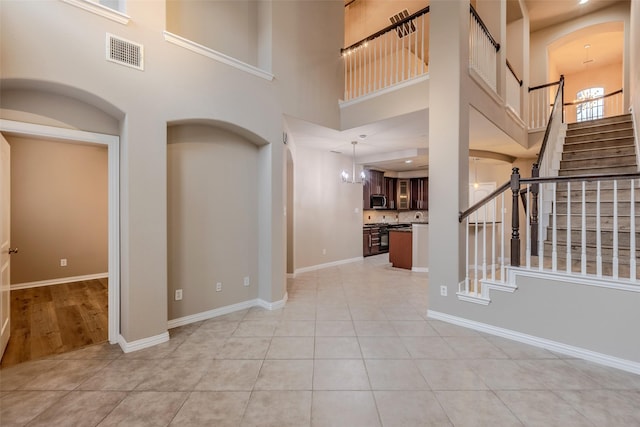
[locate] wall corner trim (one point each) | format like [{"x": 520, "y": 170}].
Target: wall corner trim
[
  {"x": 227, "y": 309},
  {"x": 276, "y": 305},
  {"x": 216, "y": 56},
  {"x": 558, "y": 347},
  {"x": 136, "y": 345}
]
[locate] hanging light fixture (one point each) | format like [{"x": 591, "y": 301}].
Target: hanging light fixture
[{"x": 345, "y": 175}]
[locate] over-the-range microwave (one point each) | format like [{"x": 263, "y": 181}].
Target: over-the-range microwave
[{"x": 378, "y": 201}]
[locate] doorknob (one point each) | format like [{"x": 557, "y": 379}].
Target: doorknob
[{"x": 13, "y": 251}]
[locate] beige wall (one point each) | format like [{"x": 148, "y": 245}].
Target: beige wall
[
  {"x": 325, "y": 209},
  {"x": 212, "y": 218},
  {"x": 229, "y": 27},
  {"x": 58, "y": 209},
  {"x": 539, "y": 66}
]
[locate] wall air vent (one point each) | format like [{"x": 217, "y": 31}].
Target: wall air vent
[
  {"x": 124, "y": 52},
  {"x": 406, "y": 28}
]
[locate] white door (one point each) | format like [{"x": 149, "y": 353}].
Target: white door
[{"x": 5, "y": 224}]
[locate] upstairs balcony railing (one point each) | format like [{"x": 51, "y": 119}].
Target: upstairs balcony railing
[
  {"x": 393, "y": 55},
  {"x": 399, "y": 53},
  {"x": 514, "y": 85},
  {"x": 483, "y": 50},
  {"x": 540, "y": 105}
]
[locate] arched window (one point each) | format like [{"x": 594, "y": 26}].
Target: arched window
[{"x": 590, "y": 109}]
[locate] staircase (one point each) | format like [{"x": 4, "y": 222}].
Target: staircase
[
  {"x": 604, "y": 146},
  {"x": 601, "y": 146}
]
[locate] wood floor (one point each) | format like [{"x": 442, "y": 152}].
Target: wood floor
[{"x": 56, "y": 319}]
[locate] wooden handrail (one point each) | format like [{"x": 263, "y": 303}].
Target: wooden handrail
[
  {"x": 544, "y": 85},
  {"x": 479, "y": 20},
  {"x": 592, "y": 177},
  {"x": 560, "y": 92},
  {"x": 482, "y": 202},
  {"x": 542, "y": 180},
  {"x": 593, "y": 99},
  {"x": 513, "y": 73},
  {"x": 385, "y": 30}
]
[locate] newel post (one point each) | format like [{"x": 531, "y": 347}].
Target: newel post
[
  {"x": 515, "y": 218},
  {"x": 535, "y": 188}
]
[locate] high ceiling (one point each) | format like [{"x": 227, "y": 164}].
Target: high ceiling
[
  {"x": 544, "y": 13},
  {"x": 389, "y": 143}
]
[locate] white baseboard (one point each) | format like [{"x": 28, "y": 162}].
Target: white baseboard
[
  {"x": 210, "y": 314},
  {"x": 327, "y": 265},
  {"x": 558, "y": 347},
  {"x": 136, "y": 345},
  {"x": 420, "y": 269},
  {"x": 59, "y": 281},
  {"x": 291, "y": 275},
  {"x": 276, "y": 305},
  {"x": 227, "y": 309}
]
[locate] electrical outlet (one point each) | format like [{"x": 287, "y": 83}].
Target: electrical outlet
[
  {"x": 247, "y": 281},
  {"x": 443, "y": 291},
  {"x": 324, "y": 252},
  {"x": 63, "y": 262},
  {"x": 218, "y": 286},
  {"x": 178, "y": 295}
]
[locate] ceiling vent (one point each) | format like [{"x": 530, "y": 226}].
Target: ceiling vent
[
  {"x": 406, "y": 28},
  {"x": 124, "y": 52}
]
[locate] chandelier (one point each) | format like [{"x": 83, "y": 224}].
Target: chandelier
[{"x": 351, "y": 179}]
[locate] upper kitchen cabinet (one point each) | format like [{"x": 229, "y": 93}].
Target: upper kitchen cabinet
[
  {"x": 419, "y": 193},
  {"x": 390, "y": 191},
  {"x": 404, "y": 193},
  {"x": 373, "y": 184}
]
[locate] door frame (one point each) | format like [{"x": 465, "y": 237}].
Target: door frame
[{"x": 112, "y": 142}]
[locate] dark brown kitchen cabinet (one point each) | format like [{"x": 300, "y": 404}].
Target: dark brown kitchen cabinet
[
  {"x": 373, "y": 184},
  {"x": 390, "y": 186},
  {"x": 419, "y": 193},
  {"x": 370, "y": 241}
]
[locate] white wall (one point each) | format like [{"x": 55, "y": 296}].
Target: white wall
[{"x": 325, "y": 209}]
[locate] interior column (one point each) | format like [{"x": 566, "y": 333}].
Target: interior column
[{"x": 448, "y": 147}]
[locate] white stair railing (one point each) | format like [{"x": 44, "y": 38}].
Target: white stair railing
[
  {"x": 514, "y": 85},
  {"x": 483, "y": 50},
  {"x": 609, "y": 105},
  {"x": 540, "y": 104},
  {"x": 599, "y": 246}
]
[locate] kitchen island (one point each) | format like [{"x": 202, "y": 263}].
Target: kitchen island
[{"x": 408, "y": 247}]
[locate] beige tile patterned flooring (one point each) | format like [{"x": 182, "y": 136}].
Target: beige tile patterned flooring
[{"x": 351, "y": 348}]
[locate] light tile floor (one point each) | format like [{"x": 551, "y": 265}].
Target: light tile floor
[{"x": 351, "y": 348}]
